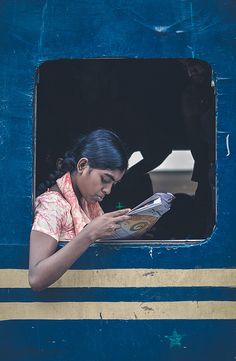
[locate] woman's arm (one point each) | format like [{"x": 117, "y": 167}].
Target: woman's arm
[{"x": 46, "y": 265}]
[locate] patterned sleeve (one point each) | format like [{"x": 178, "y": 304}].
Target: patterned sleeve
[{"x": 50, "y": 214}]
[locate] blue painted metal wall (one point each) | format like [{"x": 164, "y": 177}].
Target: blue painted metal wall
[{"x": 33, "y": 32}]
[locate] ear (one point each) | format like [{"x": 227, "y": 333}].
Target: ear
[{"x": 82, "y": 164}]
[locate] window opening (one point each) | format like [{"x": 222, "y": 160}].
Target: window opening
[{"x": 162, "y": 108}]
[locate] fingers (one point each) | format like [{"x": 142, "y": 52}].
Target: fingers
[
  {"x": 119, "y": 213},
  {"x": 122, "y": 218},
  {"x": 113, "y": 228}
]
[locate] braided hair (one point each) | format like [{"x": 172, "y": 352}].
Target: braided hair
[{"x": 103, "y": 149}]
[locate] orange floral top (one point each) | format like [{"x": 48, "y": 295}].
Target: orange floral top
[{"x": 60, "y": 215}]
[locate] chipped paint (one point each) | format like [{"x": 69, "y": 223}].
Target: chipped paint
[
  {"x": 150, "y": 252},
  {"x": 227, "y": 146}
]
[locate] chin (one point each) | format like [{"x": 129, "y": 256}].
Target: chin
[{"x": 91, "y": 200}]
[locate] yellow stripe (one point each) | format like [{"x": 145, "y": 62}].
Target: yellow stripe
[
  {"x": 15, "y": 278},
  {"x": 187, "y": 310}
]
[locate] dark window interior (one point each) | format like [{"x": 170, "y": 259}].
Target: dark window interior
[{"x": 156, "y": 106}]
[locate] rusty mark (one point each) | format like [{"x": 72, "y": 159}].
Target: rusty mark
[
  {"x": 135, "y": 316},
  {"x": 146, "y": 308},
  {"x": 149, "y": 274}
]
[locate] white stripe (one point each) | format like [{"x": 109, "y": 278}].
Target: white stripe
[
  {"x": 16, "y": 278},
  {"x": 185, "y": 310}
]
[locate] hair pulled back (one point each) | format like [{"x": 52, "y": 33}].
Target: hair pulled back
[{"x": 103, "y": 149}]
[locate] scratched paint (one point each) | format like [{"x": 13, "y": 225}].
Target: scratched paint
[{"x": 227, "y": 145}]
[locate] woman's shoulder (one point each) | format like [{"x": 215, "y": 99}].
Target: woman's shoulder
[
  {"x": 53, "y": 198},
  {"x": 51, "y": 214}
]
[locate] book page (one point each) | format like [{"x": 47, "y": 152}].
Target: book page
[
  {"x": 134, "y": 227},
  {"x": 143, "y": 218}
]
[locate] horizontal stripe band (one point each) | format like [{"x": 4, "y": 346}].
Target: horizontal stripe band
[
  {"x": 125, "y": 294},
  {"x": 118, "y": 310},
  {"x": 18, "y": 278}
]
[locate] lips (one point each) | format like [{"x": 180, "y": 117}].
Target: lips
[{"x": 99, "y": 198}]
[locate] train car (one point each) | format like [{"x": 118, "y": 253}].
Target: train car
[{"x": 71, "y": 66}]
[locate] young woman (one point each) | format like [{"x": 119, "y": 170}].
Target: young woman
[{"x": 70, "y": 201}]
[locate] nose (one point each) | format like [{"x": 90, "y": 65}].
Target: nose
[{"x": 107, "y": 189}]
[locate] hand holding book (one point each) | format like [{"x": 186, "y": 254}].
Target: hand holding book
[{"x": 143, "y": 216}]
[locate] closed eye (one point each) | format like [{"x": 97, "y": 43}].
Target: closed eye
[{"x": 106, "y": 180}]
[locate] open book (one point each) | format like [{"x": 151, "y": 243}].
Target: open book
[{"x": 144, "y": 216}]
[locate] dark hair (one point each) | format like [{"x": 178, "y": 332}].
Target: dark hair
[{"x": 103, "y": 148}]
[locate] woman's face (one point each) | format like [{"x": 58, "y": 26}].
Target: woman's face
[{"x": 92, "y": 183}]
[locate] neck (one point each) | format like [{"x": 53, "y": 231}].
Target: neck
[{"x": 75, "y": 187}]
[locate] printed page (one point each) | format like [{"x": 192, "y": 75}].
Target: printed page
[
  {"x": 142, "y": 219},
  {"x": 134, "y": 227}
]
